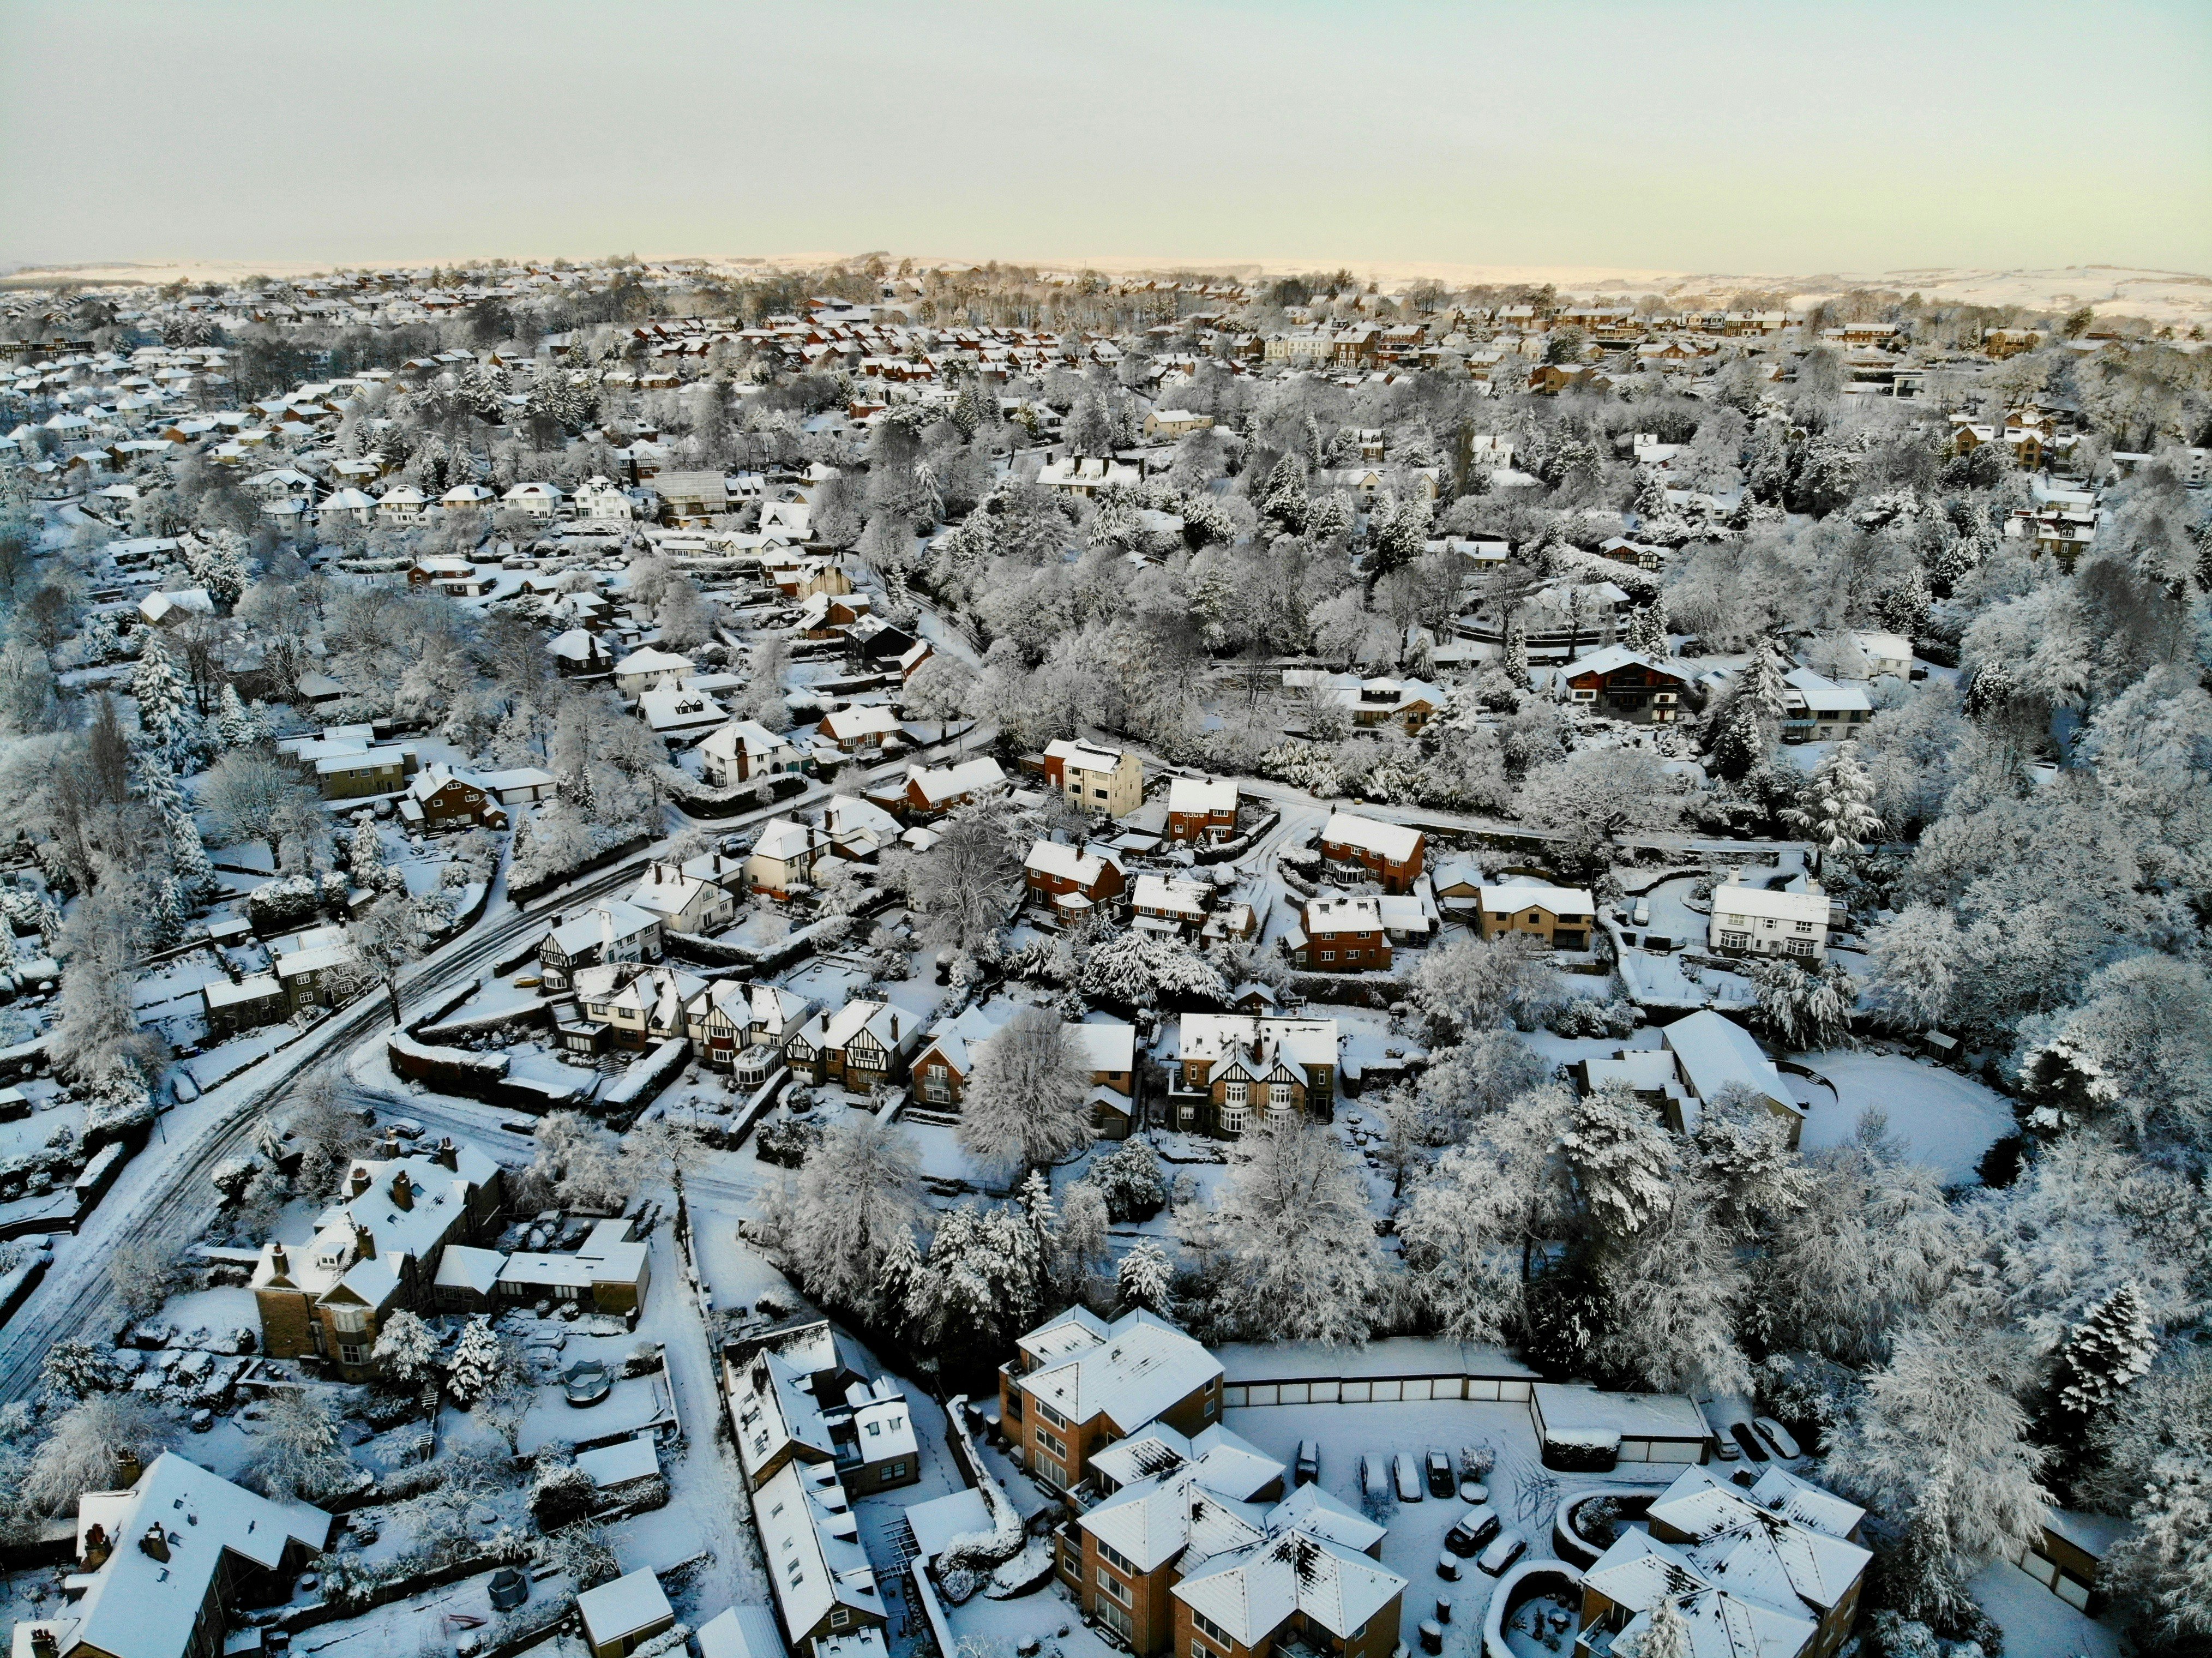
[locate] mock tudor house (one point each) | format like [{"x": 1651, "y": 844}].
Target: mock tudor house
[
  {"x": 608, "y": 932},
  {"x": 1772, "y": 1565},
  {"x": 1201, "y": 810},
  {"x": 1355, "y": 849},
  {"x": 949, "y": 1052},
  {"x": 1230, "y": 1071},
  {"x": 440, "y": 798},
  {"x": 374, "y": 1252},
  {"x": 1077, "y": 1383},
  {"x": 1342, "y": 934},
  {"x": 1628, "y": 685},
  {"x": 862, "y": 1044},
  {"x": 1094, "y": 777},
  {"x": 1561, "y": 916}
]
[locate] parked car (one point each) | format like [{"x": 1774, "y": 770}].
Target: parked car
[
  {"x": 1724, "y": 1448},
  {"x": 1409, "y": 1477},
  {"x": 1309, "y": 1464},
  {"x": 1476, "y": 1527},
  {"x": 1441, "y": 1482},
  {"x": 1642, "y": 913},
  {"x": 1371, "y": 1477},
  {"x": 1504, "y": 1549},
  {"x": 1740, "y": 1433},
  {"x": 1784, "y": 1443}
]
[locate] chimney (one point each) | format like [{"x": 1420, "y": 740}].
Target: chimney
[
  {"x": 96, "y": 1546},
  {"x": 391, "y": 1147},
  {"x": 42, "y": 1638},
  {"x": 128, "y": 1467},
  {"x": 360, "y": 1181},
  {"x": 364, "y": 1244},
  {"x": 154, "y": 1544},
  {"x": 447, "y": 1156},
  {"x": 403, "y": 1190},
  {"x": 279, "y": 1262}
]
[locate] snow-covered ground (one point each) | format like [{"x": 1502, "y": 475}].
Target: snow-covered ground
[{"x": 1944, "y": 1120}]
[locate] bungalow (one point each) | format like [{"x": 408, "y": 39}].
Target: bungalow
[
  {"x": 1071, "y": 881},
  {"x": 1169, "y": 423},
  {"x": 175, "y": 608},
  {"x": 518, "y": 784},
  {"x": 1627, "y": 685},
  {"x": 1201, "y": 810},
  {"x": 609, "y": 1270},
  {"x": 1715, "y": 1055},
  {"x": 680, "y": 714},
  {"x": 784, "y": 856},
  {"x": 859, "y": 727},
  {"x": 1561, "y": 916},
  {"x": 1354, "y": 849},
  {"x": 745, "y": 749},
  {"x": 1095, "y": 777},
  {"x": 1340, "y": 935},
  {"x": 1226, "y": 1064},
  {"x": 467, "y": 498}
]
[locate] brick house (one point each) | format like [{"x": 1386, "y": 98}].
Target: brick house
[
  {"x": 930, "y": 791},
  {"x": 1627, "y": 685},
  {"x": 1201, "y": 810},
  {"x": 1164, "y": 904},
  {"x": 607, "y": 932},
  {"x": 1779, "y": 1561},
  {"x": 1231, "y": 1070},
  {"x": 1077, "y": 1383},
  {"x": 862, "y": 1044},
  {"x": 803, "y": 1394},
  {"x": 440, "y": 798},
  {"x": 1340, "y": 935},
  {"x": 1057, "y": 875},
  {"x": 374, "y": 1252},
  {"x": 860, "y": 728},
  {"x": 1561, "y": 916},
  {"x": 1094, "y": 777},
  {"x": 1355, "y": 848}
]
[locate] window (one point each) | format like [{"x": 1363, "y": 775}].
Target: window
[
  {"x": 1232, "y": 1119},
  {"x": 1804, "y": 927},
  {"x": 1101, "y": 794},
  {"x": 1279, "y": 1093},
  {"x": 1329, "y": 954},
  {"x": 1237, "y": 1093},
  {"x": 897, "y": 1471},
  {"x": 1052, "y": 1442},
  {"x": 934, "y": 1087},
  {"x": 352, "y": 1352},
  {"x": 1736, "y": 940},
  {"x": 349, "y": 1321},
  {"x": 1212, "y": 1630},
  {"x": 1113, "y": 1557},
  {"x": 1051, "y": 1415},
  {"x": 839, "y": 1618},
  {"x": 1799, "y": 946},
  {"x": 1114, "y": 1587}
]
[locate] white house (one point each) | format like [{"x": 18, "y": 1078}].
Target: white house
[{"x": 1759, "y": 921}]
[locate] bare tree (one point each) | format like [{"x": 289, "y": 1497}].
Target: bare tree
[
  {"x": 249, "y": 796},
  {"x": 1024, "y": 1108},
  {"x": 383, "y": 942}
]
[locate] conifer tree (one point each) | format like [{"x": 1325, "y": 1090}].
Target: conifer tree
[
  {"x": 1647, "y": 631},
  {"x": 164, "y": 706},
  {"x": 1142, "y": 1279},
  {"x": 187, "y": 853},
  {"x": 2104, "y": 1353}
]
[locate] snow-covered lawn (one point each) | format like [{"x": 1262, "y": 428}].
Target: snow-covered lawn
[
  {"x": 2036, "y": 1622},
  {"x": 1944, "y": 1120}
]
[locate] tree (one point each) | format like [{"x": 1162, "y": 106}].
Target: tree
[
  {"x": 1472, "y": 984},
  {"x": 297, "y": 1456},
  {"x": 1664, "y": 1635},
  {"x": 406, "y": 1349},
  {"x": 1917, "y": 958},
  {"x": 84, "y": 1450},
  {"x": 581, "y": 1553},
  {"x": 2136, "y": 1048},
  {"x": 188, "y": 856},
  {"x": 970, "y": 875},
  {"x": 1622, "y": 1158},
  {"x": 1806, "y": 1009},
  {"x": 143, "y": 1272},
  {"x": 856, "y": 1194},
  {"x": 1834, "y": 813},
  {"x": 2102, "y": 1355},
  {"x": 1472, "y": 1078},
  {"x": 1476, "y": 1223},
  {"x": 984, "y": 1279},
  {"x": 2166, "y": 1560},
  {"x": 164, "y": 701},
  {"x": 1145, "y": 1279},
  {"x": 578, "y": 1164},
  {"x": 1938, "y": 1449},
  {"x": 1289, "y": 1246},
  {"x": 1025, "y": 1107},
  {"x": 482, "y": 1364},
  {"x": 27, "y": 688},
  {"x": 1647, "y": 631},
  {"x": 1137, "y": 970},
  {"x": 250, "y": 795},
  {"x": 1598, "y": 795},
  {"x": 96, "y": 1033},
  {"x": 383, "y": 942}
]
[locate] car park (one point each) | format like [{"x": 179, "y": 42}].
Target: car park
[
  {"x": 1309, "y": 1463},
  {"x": 1408, "y": 1476},
  {"x": 1504, "y": 1549},
  {"x": 1475, "y": 1529},
  {"x": 1441, "y": 1482},
  {"x": 1783, "y": 1441},
  {"x": 1742, "y": 1433}
]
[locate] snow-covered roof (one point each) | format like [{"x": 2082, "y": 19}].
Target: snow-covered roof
[
  {"x": 1106, "y": 1045},
  {"x": 1751, "y": 1549},
  {"x": 861, "y": 719},
  {"x": 1211, "y": 1035},
  {"x": 613, "y": 919},
  {"x": 1781, "y": 905},
  {"x": 1714, "y": 1051},
  {"x": 631, "y": 1604},
  {"x": 1196, "y": 796},
  {"x": 618, "y": 1464},
  {"x": 1080, "y": 755},
  {"x": 749, "y": 736},
  {"x": 1343, "y": 914},
  {"x": 1128, "y": 1371},
  {"x": 1393, "y": 841},
  {"x": 1252, "y": 1592},
  {"x": 1177, "y": 897},
  {"x": 463, "y": 1267},
  {"x": 939, "y": 783},
  {"x": 746, "y": 1631},
  {"x": 142, "y": 1607},
  {"x": 1081, "y": 865},
  {"x": 1554, "y": 901},
  {"x": 1568, "y": 1410},
  {"x": 783, "y": 839},
  {"x": 813, "y": 1546}
]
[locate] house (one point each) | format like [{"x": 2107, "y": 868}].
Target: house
[
  {"x": 652, "y": 670},
  {"x": 312, "y": 967},
  {"x": 622, "y": 1616},
  {"x": 162, "y": 1565},
  {"x": 1170, "y": 423},
  {"x": 804, "y": 1394},
  {"x": 1771, "y": 1566},
  {"x": 610, "y": 1271},
  {"x": 784, "y": 856},
  {"x": 1409, "y": 703},
  {"x": 1561, "y": 916},
  {"x": 1226, "y": 1064},
  {"x": 859, "y": 829},
  {"x": 932, "y": 790},
  {"x": 608, "y": 932},
  {"x": 744, "y": 1630},
  {"x": 1201, "y": 810},
  {"x": 1076, "y": 1384},
  {"x": 948, "y": 1055},
  {"x": 539, "y": 500},
  {"x": 680, "y": 714},
  {"x": 859, "y": 727},
  {"x": 865, "y": 1044},
  {"x": 174, "y": 609},
  {"x": 255, "y": 1000},
  {"x": 578, "y": 654},
  {"x": 1197, "y": 1525},
  {"x": 1085, "y": 476},
  {"x": 373, "y": 1252},
  {"x": 1163, "y": 903},
  {"x": 439, "y": 798},
  {"x": 1071, "y": 881},
  {"x": 810, "y": 1543},
  {"x": 601, "y": 500},
  {"x": 633, "y": 1006},
  {"x": 683, "y": 902},
  {"x": 745, "y": 749},
  {"x": 1763, "y": 922},
  {"x": 1094, "y": 777},
  {"x": 1354, "y": 849},
  {"x": 1715, "y": 1056},
  {"x": 1627, "y": 684},
  {"x": 455, "y": 577},
  {"x": 746, "y": 1029},
  {"x": 357, "y": 774},
  {"x": 1884, "y": 654},
  {"x": 1818, "y": 710},
  {"x": 1341, "y": 934}
]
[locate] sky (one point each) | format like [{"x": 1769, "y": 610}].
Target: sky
[{"x": 1698, "y": 136}]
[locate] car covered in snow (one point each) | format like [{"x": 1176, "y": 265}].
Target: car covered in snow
[
  {"x": 1441, "y": 1482},
  {"x": 1409, "y": 1477},
  {"x": 1504, "y": 1549},
  {"x": 1475, "y": 1527}
]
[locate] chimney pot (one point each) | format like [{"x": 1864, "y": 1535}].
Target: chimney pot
[
  {"x": 361, "y": 1182},
  {"x": 154, "y": 1544},
  {"x": 403, "y": 1190}
]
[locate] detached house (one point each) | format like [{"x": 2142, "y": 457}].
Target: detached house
[
  {"x": 745, "y": 749},
  {"x": 861, "y": 1045},
  {"x": 374, "y": 1252},
  {"x": 1759, "y": 921},
  {"x": 684, "y": 902},
  {"x": 804, "y": 1394},
  {"x": 1095, "y": 777},
  {"x": 1201, "y": 810},
  {"x": 784, "y": 856},
  {"x": 1355, "y": 849},
  {"x": 1076, "y": 1384},
  {"x": 1628, "y": 685},
  {"x": 859, "y": 727},
  {"x": 933, "y": 790},
  {"x": 1340, "y": 935},
  {"x": 439, "y": 798},
  {"x": 1816, "y": 709},
  {"x": 1071, "y": 881},
  {"x": 611, "y": 931},
  {"x": 1561, "y": 916},
  {"x": 1227, "y": 1068}
]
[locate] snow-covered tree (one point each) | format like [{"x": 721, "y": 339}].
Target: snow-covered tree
[
  {"x": 1476, "y": 984},
  {"x": 1664, "y": 1633},
  {"x": 297, "y": 1456},
  {"x": 1834, "y": 813},
  {"x": 855, "y": 1197},
  {"x": 406, "y": 1349},
  {"x": 1622, "y": 1157},
  {"x": 385, "y": 941},
  {"x": 234, "y": 728},
  {"x": 1139, "y": 969},
  {"x": 2104, "y": 1354},
  {"x": 1938, "y": 1449},
  {"x": 250, "y": 795},
  {"x": 96, "y": 1033},
  {"x": 2136, "y": 1048},
  {"x": 164, "y": 699},
  {"x": 1916, "y": 959},
  {"x": 1145, "y": 1279},
  {"x": 1025, "y": 1107},
  {"x": 580, "y": 1165},
  {"x": 1472, "y": 1078},
  {"x": 77, "y": 1369},
  {"x": 1129, "y": 1178},
  {"x": 1807, "y": 1009},
  {"x": 2166, "y": 1560},
  {"x": 1647, "y": 631},
  {"x": 85, "y": 1446},
  {"x": 481, "y": 1364},
  {"x": 1289, "y": 1247},
  {"x": 984, "y": 1280}
]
